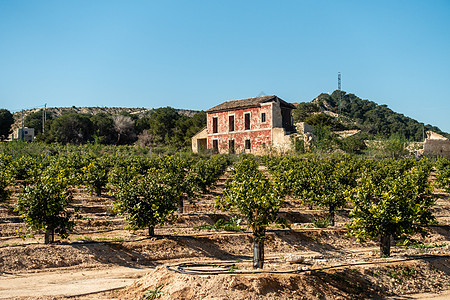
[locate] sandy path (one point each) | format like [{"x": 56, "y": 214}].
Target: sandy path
[
  {"x": 445, "y": 295},
  {"x": 67, "y": 282}
]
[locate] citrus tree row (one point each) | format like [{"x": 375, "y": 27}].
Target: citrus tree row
[
  {"x": 388, "y": 198},
  {"x": 147, "y": 190}
]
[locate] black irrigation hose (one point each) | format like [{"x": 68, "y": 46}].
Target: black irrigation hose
[
  {"x": 184, "y": 268},
  {"x": 228, "y": 269}
]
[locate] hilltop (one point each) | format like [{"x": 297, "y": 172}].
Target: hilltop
[
  {"x": 59, "y": 111},
  {"x": 343, "y": 111}
]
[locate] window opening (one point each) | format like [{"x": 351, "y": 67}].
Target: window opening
[
  {"x": 231, "y": 123},
  {"x": 247, "y": 121},
  {"x": 215, "y": 125},
  {"x": 231, "y": 147},
  {"x": 247, "y": 144},
  {"x": 215, "y": 146}
]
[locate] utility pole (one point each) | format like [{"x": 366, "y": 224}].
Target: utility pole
[
  {"x": 44, "y": 118},
  {"x": 21, "y": 134}
]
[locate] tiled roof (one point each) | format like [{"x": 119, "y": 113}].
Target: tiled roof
[{"x": 249, "y": 102}]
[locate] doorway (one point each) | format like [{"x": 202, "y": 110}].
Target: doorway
[{"x": 231, "y": 149}]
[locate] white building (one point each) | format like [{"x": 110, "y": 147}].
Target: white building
[{"x": 26, "y": 134}]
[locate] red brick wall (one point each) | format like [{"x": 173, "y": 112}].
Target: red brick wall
[{"x": 259, "y": 133}]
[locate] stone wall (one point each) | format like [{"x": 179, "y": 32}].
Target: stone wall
[
  {"x": 259, "y": 134},
  {"x": 200, "y": 140},
  {"x": 437, "y": 147}
]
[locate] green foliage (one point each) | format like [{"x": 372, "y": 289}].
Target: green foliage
[
  {"x": 322, "y": 182},
  {"x": 26, "y": 167},
  {"x": 43, "y": 205},
  {"x": 206, "y": 172},
  {"x": 443, "y": 173},
  {"x": 303, "y": 111},
  {"x": 251, "y": 194},
  {"x": 71, "y": 165},
  {"x": 396, "y": 146},
  {"x": 299, "y": 144},
  {"x": 71, "y": 128},
  {"x": 165, "y": 126},
  {"x": 325, "y": 141},
  {"x": 400, "y": 273},
  {"x": 153, "y": 294},
  {"x": 34, "y": 120},
  {"x": 353, "y": 144},
  {"x": 375, "y": 119},
  {"x": 178, "y": 170},
  {"x": 391, "y": 200},
  {"x": 321, "y": 222},
  {"x": 162, "y": 127},
  {"x": 5, "y": 181},
  {"x": 234, "y": 224},
  {"x": 147, "y": 200},
  {"x": 428, "y": 246},
  {"x": 186, "y": 127},
  {"x": 161, "y": 123},
  {"x": 104, "y": 130},
  {"x": 6, "y": 121},
  {"x": 95, "y": 175},
  {"x": 125, "y": 168},
  {"x": 320, "y": 120}
]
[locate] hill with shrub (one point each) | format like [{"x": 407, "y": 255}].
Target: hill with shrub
[{"x": 342, "y": 111}]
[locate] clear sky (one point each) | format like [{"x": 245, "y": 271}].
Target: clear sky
[{"x": 196, "y": 54}]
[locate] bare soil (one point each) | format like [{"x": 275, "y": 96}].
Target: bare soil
[{"x": 103, "y": 260}]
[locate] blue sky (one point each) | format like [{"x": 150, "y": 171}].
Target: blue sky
[{"x": 196, "y": 54}]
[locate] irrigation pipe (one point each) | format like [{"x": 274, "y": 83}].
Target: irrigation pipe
[{"x": 221, "y": 269}]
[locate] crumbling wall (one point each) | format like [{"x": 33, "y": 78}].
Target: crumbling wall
[
  {"x": 281, "y": 142},
  {"x": 277, "y": 121},
  {"x": 303, "y": 128},
  {"x": 434, "y": 147},
  {"x": 305, "y": 131},
  {"x": 431, "y": 135},
  {"x": 199, "y": 140}
]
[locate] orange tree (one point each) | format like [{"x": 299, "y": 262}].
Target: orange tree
[
  {"x": 329, "y": 183},
  {"x": 43, "y": 205},
  {"x": 178, "y": 170},
  {"x": 147, "y": 200},
  {"x": 443, "y": 173},
  {"x": 321, "y": 182},
  {"x": 6, "y": 177},
  {"x": 391, "y": 201},
  {"x": 250, "y": 193},
  {"x": 95, "y": 175},
  {"x": 205, "y": 172}
]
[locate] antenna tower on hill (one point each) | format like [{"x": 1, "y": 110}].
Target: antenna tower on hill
[
  {"x": 339, "y": 81},
  {"x": 340, "y": 94}
]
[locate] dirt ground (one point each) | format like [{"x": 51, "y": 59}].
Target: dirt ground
[{"x": 103, "y": 260}]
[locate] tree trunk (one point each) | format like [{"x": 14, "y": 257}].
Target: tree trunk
[
  {"x": 49, "y": 236},
  {"x": 258, "y": 253},
  {"x": 118, "y": 139},
  {"x": 151, "y": 230},
  {"x": 331, "y": 214},
  {"x": 385, "y": 245},
  {"x": 180, "y": 205},
  {"x": 98, "y": 191}
]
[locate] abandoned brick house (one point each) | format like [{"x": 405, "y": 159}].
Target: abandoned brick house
[{"x": 252, "y": 125}]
